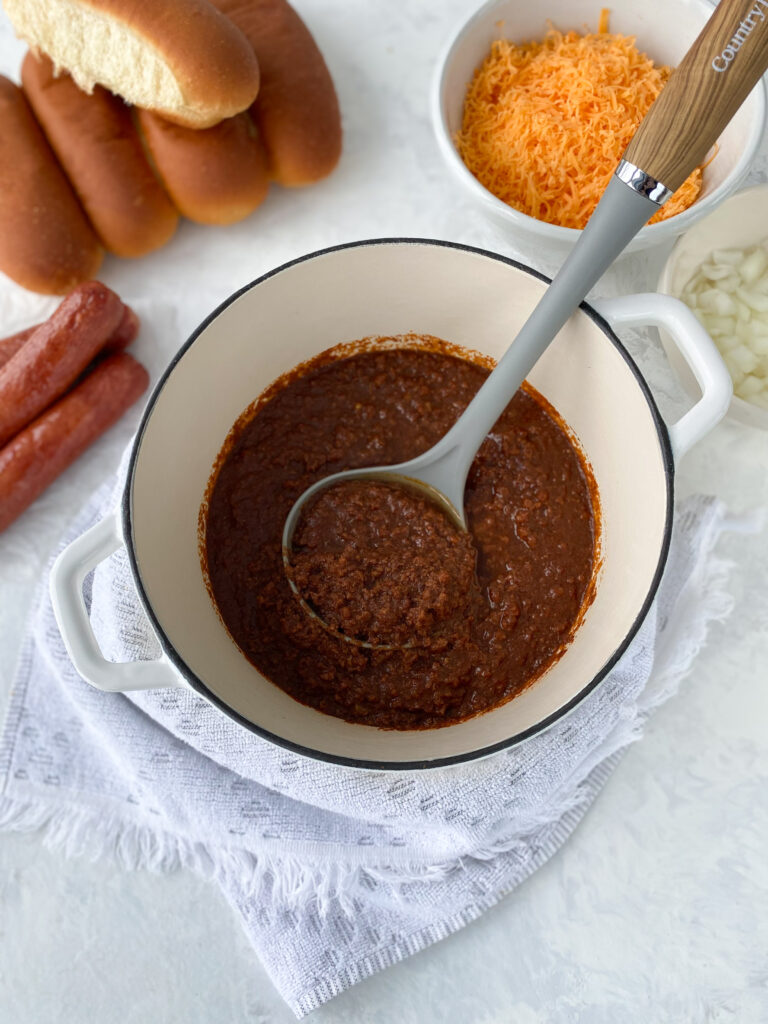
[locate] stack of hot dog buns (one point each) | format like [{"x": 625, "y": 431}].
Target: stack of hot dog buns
[
  {"x": 62, "y": 384},
  {"x": 193, "y": 107}
]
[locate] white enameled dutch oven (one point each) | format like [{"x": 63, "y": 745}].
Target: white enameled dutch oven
[{"x": 388, "y": 287}]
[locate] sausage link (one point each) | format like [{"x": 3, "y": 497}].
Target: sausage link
[
  {"x": 121, "y": 337},
  {"x": 124, "y": 333},
  {"x": 36, "y": 456},
  {"x": 56, "y": 354},
  {"x": 10, "y": 346}
]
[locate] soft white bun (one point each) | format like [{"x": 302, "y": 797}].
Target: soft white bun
[{"x": 180, "y": 58}]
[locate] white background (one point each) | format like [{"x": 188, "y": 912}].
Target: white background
[{"x": 656, "y": 909}]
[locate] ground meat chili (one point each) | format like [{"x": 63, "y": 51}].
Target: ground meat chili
[
  {"x": 384, "y": 565},
  {"x": 529, "y": 507}
]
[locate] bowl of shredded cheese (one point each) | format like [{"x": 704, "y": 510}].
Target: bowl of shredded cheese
[
  {"x": 720, "y": 269},
  {"x": 533, "y": 107}
]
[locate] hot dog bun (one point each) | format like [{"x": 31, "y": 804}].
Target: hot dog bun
[
  {"x": 99, "y": 149},
  {"x": 214, "y": 176},
  {"x": 46, "y": 242},
  {"x": 180, "y": 58},
  {"x": 297, "y": 110}
]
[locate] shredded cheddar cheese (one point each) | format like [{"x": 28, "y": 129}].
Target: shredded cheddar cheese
[{"x": 545, "y": 123}]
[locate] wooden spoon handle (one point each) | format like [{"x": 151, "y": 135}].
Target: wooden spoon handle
[{"x": 703, "y": 92}]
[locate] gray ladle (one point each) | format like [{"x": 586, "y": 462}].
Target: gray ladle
[{"x": 701, "y": 96}]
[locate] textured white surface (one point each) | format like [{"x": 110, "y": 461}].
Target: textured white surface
[{"x": 656, "y": 909}]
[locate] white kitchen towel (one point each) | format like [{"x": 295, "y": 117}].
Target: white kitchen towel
[{"x": 336, "y": 873}]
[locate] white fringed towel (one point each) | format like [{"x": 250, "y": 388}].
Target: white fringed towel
[{"x": 336, "y": 873}]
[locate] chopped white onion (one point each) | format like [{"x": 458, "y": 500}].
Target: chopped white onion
[
  {"x": 728, "y": 257},
  {"x": 753, "y": 266},
  {"x": 729, "y": 295}
]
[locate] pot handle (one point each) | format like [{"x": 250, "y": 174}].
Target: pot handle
[
  {"x": 696, "y": 347},
  {"x": 66, "y": 585}
]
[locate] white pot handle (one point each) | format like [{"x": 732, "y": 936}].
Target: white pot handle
[
  {"x": 698, "y": 350},
  {"x": 67, "y": 576}
]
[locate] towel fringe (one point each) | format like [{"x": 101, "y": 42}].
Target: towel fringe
[
  {"x": 286, "y": 880},
  {"x": 296, "y": 884},
  {"x": 90, "y": 834}
]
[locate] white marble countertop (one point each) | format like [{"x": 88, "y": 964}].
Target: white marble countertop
[{"x": 656, "y": 909}]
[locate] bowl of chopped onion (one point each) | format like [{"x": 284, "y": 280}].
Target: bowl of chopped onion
[
  {"x": 720, "y": 270},
  {"x": 533, "y": 106}
]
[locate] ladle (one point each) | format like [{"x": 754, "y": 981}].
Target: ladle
[{"x": 702, "y": 95}]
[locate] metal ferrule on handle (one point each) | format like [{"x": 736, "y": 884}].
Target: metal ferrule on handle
[
  {"x": 642, "y": 183},
  {"x": 703, "y": 93}
]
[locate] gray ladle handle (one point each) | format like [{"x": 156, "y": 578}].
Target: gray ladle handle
[
  {"x": 700, "y": 98},
  {"x": 618, "y": 217}
]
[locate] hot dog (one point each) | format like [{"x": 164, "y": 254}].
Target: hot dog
[
  {"x": 46, "y": 243},
  {"x": 121, "y": 337},
  {"x": 56, "y": 354},
  {"x": 100, "y": 150},
  {"x": 44, "y": 449},
  {"x": 10, "y": 346},
  {"x": 297, "y": 111},
  {"x": 124, "y": 333}
]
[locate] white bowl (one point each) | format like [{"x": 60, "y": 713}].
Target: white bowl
[
  {"x": 740, "y": 222},
  {"x": 387, "y": 287},
  {"x": 665, "y": 29}
]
